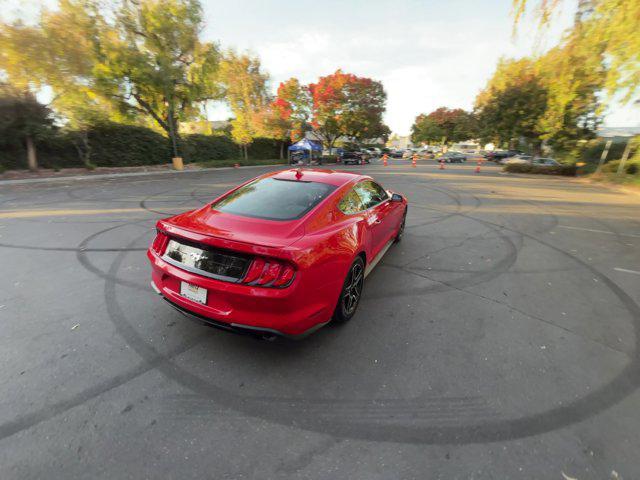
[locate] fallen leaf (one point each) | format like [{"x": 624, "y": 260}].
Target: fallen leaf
[
  {"x": 75, "y": 326},
  {"x": 567, "y": 477}
]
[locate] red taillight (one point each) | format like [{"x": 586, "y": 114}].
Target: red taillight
[
  {"x": 269, "y": 273},
  {"x": 255, "y": 270},
  {"x": 160, "y": 243},
  {"x": 285, "y": 276}
]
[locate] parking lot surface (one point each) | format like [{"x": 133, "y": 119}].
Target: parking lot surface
[{"x": 497, "y": 340}]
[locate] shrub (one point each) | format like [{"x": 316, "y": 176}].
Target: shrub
[
  {"x": 118, "y": 145},
  {"x": 265, "y": 148},
  {"x": 563, "y": 169},
  {"x": 127, "y": 145},
  {"x": 612, "y": 167},
  {"x": 205, "y": 148}
]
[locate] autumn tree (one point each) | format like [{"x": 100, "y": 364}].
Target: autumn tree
[
  {"x": 130, "y": 60},
  {"x": 245, "y": 87},
  {"x": 285, "y": 118},
  {"x": 293, "y": 102},
  {"x": 271, "y": 123},
  {"x": 344, "y": 104}
]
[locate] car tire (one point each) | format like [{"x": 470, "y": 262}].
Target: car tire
[
  {"x": 351, "y": 292},
  {"x": 398, "y": 236}
]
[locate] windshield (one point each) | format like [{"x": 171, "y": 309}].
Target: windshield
[{"x": 274, "y": 199}]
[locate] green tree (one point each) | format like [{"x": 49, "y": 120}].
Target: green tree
[
  {"x": 444, "y": 124},
  {"x": 362, "y": 110},
  {"x": 426, "y": 130},
  {"x": 23, "y": 119},
  {"x": 609, "y": 30},
  {"x": 512, "y": 105},
  {"x": 246, "y": 92},
  {"x": 551, "y": 99},
  {"x": 573, "y": 79},
  {"x": 130, "y": 60}
]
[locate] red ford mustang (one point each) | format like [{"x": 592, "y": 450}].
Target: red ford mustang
[{"x": 282, "y": 254}]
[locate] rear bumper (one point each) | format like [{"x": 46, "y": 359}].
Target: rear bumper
[
  {"x": 263, "y": 333},
  {"x": 242, "y": 308}
]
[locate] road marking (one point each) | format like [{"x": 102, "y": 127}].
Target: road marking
[
  {"x": 599, "y": 231},
  {"x": 626, "y": 271},
  {"x": 64, "y": 213}
]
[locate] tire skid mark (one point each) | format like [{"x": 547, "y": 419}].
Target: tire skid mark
[{"x": 490, "y": 430}]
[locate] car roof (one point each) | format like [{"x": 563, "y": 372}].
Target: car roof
[{"x": 320, "y": 175}]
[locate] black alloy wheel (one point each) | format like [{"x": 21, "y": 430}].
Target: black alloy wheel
[
  {"x": 401, "y": 228},
  {"x": 351, "y": 292}
]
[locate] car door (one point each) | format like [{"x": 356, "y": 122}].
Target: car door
[{"x": 375, "y": 201}]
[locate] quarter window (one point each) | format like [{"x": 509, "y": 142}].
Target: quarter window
[
  {"x": 350, "y": 203},
  {"x": 370, "y": 193}
]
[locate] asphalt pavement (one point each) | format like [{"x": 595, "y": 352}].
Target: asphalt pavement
[{"x": 498, "y": 340}]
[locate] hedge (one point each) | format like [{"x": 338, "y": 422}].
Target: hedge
[
  {"x": 126, "y": 145},
  {"x": 612, "y": 167},
  {"x": 566, "y": 170}
]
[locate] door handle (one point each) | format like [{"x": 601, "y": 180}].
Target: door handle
[{"x": 377, "y": 221}]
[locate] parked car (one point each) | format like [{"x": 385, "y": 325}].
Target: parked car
[
  {"x": 515, "y": 159},
  {"x": 354, "y": 157},
  {"x": 548, "y": 162},
  {"x": 303, "y": 158},
  {"x": 396, "y": 154},
  {"x": 502, "y": 154},
  {"x": 453, "y": 157},
  {"x": 282, "y": 254}
]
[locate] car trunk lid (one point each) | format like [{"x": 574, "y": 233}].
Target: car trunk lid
[{"x": 207, "y": 221}]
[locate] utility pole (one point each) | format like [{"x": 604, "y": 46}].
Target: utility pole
[
  {"x": 625, "y": 155},
  {"x": 603, "y": 157}
]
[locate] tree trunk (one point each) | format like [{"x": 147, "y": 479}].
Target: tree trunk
[
  {"x": 173, "y": 130},
  {"x": 281, "y": 149},
  {"x": 246, "y": 152},
  {"x": 32, "y": 159},
  {"x": 173, "y": 134},
  {"x": 83, "y": 146}
]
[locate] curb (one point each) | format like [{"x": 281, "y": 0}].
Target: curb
[
  {"x": 128, "y": 174},
  {"x": 610, "y": 186}
]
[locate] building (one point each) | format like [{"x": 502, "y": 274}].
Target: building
[
  {"x": 398, "y": 142},
  {"x": 205, "y": 127}
]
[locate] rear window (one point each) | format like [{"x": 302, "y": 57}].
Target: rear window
[{"x": 274, "y": 199}]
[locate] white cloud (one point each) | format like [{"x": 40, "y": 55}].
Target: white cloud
[{"x": 423, "y": 62}]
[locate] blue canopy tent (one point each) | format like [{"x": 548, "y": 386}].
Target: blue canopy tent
[{"x": 304, "y": 150}]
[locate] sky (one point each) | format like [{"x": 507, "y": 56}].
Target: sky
[{"x": 427, "y": 53}]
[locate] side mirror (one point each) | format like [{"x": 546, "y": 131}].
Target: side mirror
[{"x": 396, "y": 197}]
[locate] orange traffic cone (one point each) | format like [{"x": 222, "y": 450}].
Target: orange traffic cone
[
  {"x": 236, "y": 165},
  {"x": 478, "y": 166},
  {"x": 385, "y": 157},
  {"x": 441, "y": 164},
  {"x": 414, "y": 160}
]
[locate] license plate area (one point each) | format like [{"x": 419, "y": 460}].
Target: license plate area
[{"x": 193, "y": 292}]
